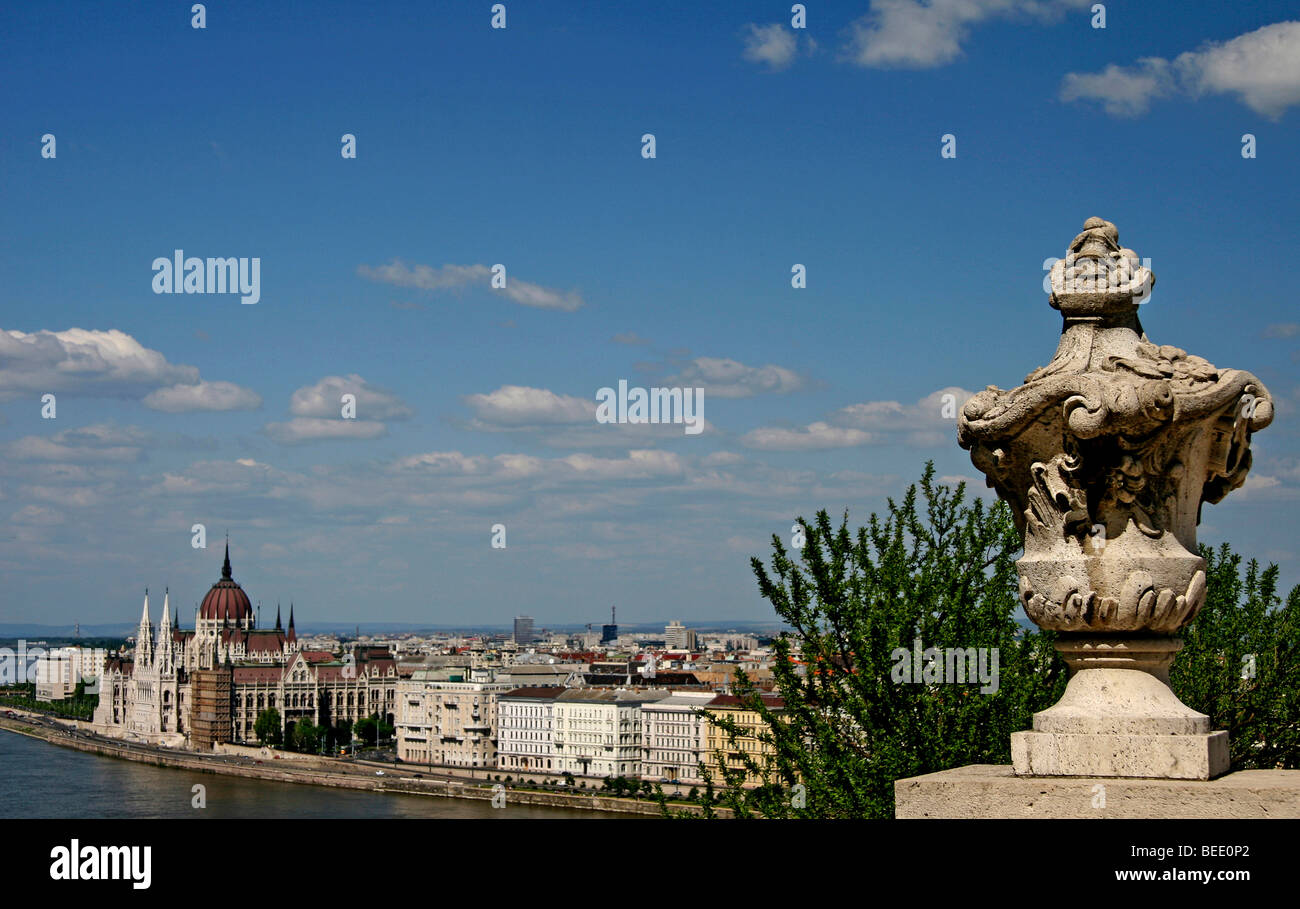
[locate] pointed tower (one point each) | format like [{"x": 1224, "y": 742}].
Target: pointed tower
[
  {"x": 144, "y": 637},
  {"x": 292, "y": 636},
  {"x": 278, "y": 626},
  {"x": 166, "y": 661}
]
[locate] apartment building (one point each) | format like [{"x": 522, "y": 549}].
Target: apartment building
[
  {"x": 674, "y": 737},
  {"x": 449, "y": 716},
  {"x": 598, "y": 731},
  {"x": 719, "y": 747},
  {"x": 526, "y": 729}
]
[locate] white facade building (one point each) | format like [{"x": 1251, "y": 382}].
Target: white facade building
[
  {"x": 598, "y": 731},
  {"x": 674, "y": 737},
  {"x": 526, "y": 729}
]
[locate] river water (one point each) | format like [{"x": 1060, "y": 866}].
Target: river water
[{"x": 40, "y": 780}]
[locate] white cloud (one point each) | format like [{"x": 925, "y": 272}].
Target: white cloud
[
  {"x": 1262, "y": 68},
  {"x": 426, "y": 277},
  {"x": 456, "y": 277},
  {"x": 527, "y": 293},
  {"x": 876, "y": 414},
  {"x": 203, "y": 396},
  {"x": 225, "y": 478},
  {"x": 563, "y": 421},
  {"x": 325, "y": 400},
  {"x": 918, "y": 34},
  {"x": 109, "y": 364},
  {"x": 98, "y": 442},
  {"x": 521, "y": 406},
  {"x": 1258, "y": 483},
  {"x": 105, "y": 363},
  {"x": 773, "y": 45},
  {"x": 1282, "y": 330},
  {"x": 724, "y": 378},
  {"x": 640, "y": 464},
  {"x": 936, "y": 411},
  {"x": 813, "y": 437},
  {"x": 318, "y": 412},
  {"x": 442, "y": 462},
  {"x": 518, "y": 466},
  {"x": 929, "y": 422},
  {"x": 1123, "y": 91},
  {"x": 315, "y": 429}
]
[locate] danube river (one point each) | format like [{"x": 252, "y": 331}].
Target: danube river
[{"x": 38, "y": 779}]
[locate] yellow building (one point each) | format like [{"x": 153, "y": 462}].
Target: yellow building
[{"x": 750, "y": 724}]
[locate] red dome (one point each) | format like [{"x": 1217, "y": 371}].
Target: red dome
[{"x": 226, "y": 601}]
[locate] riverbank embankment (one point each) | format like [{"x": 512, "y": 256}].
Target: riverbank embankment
[{"x": 326, "y": 772}]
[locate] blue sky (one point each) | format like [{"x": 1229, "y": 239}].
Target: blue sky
[{"x": 522, "y": 146}]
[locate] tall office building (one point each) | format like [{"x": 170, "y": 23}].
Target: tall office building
[
  {"x": 678, "y": 637},
  {"x": 609, "y": 633},
  {"x": 524, "y": 630}
]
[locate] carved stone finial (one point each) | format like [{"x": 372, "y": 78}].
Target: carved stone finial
[
  {"x": 1098, "y": 276},
  {"x": 1105, "y": 456}
]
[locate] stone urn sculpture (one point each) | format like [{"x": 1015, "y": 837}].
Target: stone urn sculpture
[{"x": 1105, "y": 456}]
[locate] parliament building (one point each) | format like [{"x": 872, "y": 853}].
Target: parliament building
[{"x": 201, "y": 687}]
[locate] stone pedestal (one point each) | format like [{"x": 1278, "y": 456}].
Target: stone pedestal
[
  {"x": 997, "y": 791},
  {"x": 1171, "y": 757},
  {"x": 1119, "y": 717}
]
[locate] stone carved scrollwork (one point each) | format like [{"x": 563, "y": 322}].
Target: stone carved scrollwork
[{"x": 1107, "y": 453}]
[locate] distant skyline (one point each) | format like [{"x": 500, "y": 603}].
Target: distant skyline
[
  {"x": 9, "y": 630},
  {"x": 475, "y": 405}
]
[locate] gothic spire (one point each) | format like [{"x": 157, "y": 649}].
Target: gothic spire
[
  {"x": 144, "y": 638},
  {"x": 225, "y": 568},
  {"x": 277, "y": 615}
]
